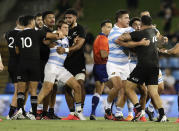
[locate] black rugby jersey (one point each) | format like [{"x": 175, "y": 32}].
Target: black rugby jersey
[
  {"x": 29, "y": 43},
  {"x": 76, "y": 59},
  {"x": 147, "y": 55}
]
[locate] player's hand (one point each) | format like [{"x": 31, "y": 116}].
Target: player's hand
[
  {"x": 60, "y": 35},
  {"x": 60, "y": 50},
  {"x": 52, "y": 45},
  {"x": 165, "y": 39},
  {"x": 163, "y": 51},
  {"x": 1, "y": 66},
  {"x": 76, "y": 39},
  {"x": 145, "y": 42}
]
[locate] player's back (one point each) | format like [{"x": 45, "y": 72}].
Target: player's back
[
  {"x": 54, "y": 57},
  {"x": 147, "y": 55},
  {"x": 11, "y": 36},
  {"x": 28, "y": 43}
]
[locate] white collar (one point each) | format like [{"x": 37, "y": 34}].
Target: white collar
[
  {"x": 27, "y": 28},
  {"x": 17, "y": 28}
]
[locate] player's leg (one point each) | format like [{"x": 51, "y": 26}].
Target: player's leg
[
  {"x": 113, "y": 93},
  {"x": 150, "y": 109},
  {"x": 131, "y": 94},
  {"x": 71, "y": 104},
  {"x": 83, "y": 92},
  {"x": 13, "y": 105},
  {"x": 74, "y": 84},
  {"x": 120, "y": 103},
  {"x": 51, "y": 113},
  {"x": 45, "y": 91},
  {"x": 142, "y": 101},
  {"x": 33, "y": 91},
  {"x": 153, "y": 92}
]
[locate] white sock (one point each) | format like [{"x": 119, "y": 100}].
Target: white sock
[
  {"x": 40, "y": 107},
  {"x": 72, "y": 113},
  {"x": 108, "y": 104},
  {"x": 130, "y": 114},
  {"x": 78, "y": 107},
  {"x": 143, "y": 112},
  {"x": 151, "y": 107},
  {"x": 119, "y": 111}
]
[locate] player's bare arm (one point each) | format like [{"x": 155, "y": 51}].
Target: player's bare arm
[
  {"x": 125, "y": 40},
  {"x": 172, "y": 51},
  {"x": 161, "y": 40},
  {"x": 78, "y": 43}
]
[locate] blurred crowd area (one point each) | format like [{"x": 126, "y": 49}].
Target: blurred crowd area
[{"x": 167, "y": 11}]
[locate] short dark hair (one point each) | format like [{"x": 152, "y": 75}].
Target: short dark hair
[
  {"x": 104, "y": 22},
  {"x": 146, "y": 20},
  {"x": 60, "y": 23},
  {"x": 28, "y": 19},
  {"x": 38, "y": 15},
  {"x": 71, "y": 11},
  {"x": 44, "y": 14},
  {"x": 119, "y": 13},
  {"x": 133, "y": 20},
  {"x": 20, "y": 20}
]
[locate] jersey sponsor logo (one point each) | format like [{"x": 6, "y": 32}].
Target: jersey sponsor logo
[
  {"x": 135, "y": 79},
  {"x": 19, "y": 77},
  {"x": 75, "y": 33}
]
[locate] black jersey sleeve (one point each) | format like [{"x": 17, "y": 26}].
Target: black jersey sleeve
[
  {"x": 41, "y": 34},
  {"x": 81, "y": 32},
  {"x": 136, "y": 35}
]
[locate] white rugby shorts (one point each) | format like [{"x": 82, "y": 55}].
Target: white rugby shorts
[
  {"x": 54, "y": 72},
  {"x": 117, "y": 70}
]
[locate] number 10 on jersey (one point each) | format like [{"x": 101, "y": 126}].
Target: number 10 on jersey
[{"x": 26, "y": 42}]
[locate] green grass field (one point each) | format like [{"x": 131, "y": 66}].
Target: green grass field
[{"x": 100, "y": 125}]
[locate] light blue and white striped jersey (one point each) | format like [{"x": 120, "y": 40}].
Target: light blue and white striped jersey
[
  {"x": 54, "y": 57},
  {"x": 116, "y": 53},
  {"x": 133, "y": 58}
]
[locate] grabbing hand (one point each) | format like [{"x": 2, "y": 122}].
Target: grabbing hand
[
  {"x": 145, "y": 42},
  {"x": 60, "y": 50}
]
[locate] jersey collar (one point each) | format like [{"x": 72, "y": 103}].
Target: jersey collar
[
  {"x": 102, "y": 34},
  {"x": 27, "y": 28},
  {"x": 17, "y": 28}
]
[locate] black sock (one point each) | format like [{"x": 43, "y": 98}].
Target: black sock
[
  {"x": 34, "y": 105},
  {"x": 72, "y": 109},
  {"x": 138, "y": 107},
  {"x": 51, "y": 110},
  {"x": 161, "y": 111},
  {"x": 44, "y": 113},
  {"x": 20, "y": 100},
  {"x": 12, "y": 110}
]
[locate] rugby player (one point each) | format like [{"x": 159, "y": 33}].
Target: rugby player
[
  {"x": 75, "y": 61},
  {"x": 118, "y": 64},
  {"x": 54, "y": 70},
  {"x": 28, "y": 47},
  {"x": 147, "y": 68}
]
